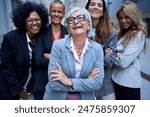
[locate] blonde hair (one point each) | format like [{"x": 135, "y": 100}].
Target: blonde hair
[{"x": 131, "y": 10}]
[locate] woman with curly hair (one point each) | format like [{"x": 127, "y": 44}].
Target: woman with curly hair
[
  {"x": 132, "y": 41},
  {"x": 17, "y": 50}
]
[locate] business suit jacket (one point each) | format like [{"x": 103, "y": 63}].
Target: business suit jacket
[
  {"x": 107, "y": 86},
  {"x": 127, "y": 69},
  {"x": 15, "y": 63},
  {"x": 43, "y": 45},
  {"x": 62, "y": 55}
]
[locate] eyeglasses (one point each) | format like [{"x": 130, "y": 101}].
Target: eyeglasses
[
  {"x": 79, "y": 18},
  {"x": 30, "y": 21}
]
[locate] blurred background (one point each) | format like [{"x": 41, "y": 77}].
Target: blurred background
[{"x": 6, "y": 25}]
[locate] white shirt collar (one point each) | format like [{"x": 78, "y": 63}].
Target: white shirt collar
[
  {"x": 28, "y": 39},
  {"x": 86, "y": 46}
]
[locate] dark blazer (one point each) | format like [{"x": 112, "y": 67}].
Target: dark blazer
[
  {"x": 109, "y": 60},
  {"x": 15, "y": 63},
  {"x": 43, "y": 45}
]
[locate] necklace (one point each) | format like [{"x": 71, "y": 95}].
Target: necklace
[{"x": 79, "y": 52}]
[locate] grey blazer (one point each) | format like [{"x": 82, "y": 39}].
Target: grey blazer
[
  {"x": 107, "y": 86},
  {"x": 61, "y": 54},
  {"x": 127, "y": 69}
]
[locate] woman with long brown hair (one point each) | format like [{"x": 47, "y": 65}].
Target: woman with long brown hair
[{"x": 107, "y": 37}]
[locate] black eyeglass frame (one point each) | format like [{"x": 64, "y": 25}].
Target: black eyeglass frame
[{"x": 79, "y": 18}]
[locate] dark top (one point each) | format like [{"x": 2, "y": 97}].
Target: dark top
[
  {"x": 15, "y": 63},
  {"x": 43, "y": 45}
]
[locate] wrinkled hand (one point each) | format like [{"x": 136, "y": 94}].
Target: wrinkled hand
[
  {"x": 24, "y": 94},
  {"x": 108, "y": 51},
  {"x": 47, "y": 55},
  {"x": 58, "y": 75},
  {"x": 94, "y": 73}
]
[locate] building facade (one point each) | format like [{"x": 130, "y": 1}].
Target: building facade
[{"x": 7, "y": 6}]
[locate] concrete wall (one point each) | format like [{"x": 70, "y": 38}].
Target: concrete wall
[{"x": 5, "y": 14}]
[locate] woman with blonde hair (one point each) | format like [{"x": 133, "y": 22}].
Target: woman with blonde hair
[{"x": 132, "y": 41}]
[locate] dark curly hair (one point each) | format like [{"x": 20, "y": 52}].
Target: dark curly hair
[{"x": 23, "y": 11}]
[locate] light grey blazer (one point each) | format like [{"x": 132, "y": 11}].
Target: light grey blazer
[
  {"x": 127, "y": 69},
  {"x": 61, "y": 54}
]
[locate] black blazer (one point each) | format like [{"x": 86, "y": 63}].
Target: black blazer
[
  {"x": 15, "y": 63},
  {"x": 43, "y": 45}
]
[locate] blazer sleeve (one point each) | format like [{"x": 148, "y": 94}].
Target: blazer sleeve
[
  {"x": 109, "y": 59},
  {"x": 8, "y": 68},
  {"x": 91, "y": 84},
  {"x": 40, "y": 60},
  {"x": 56, "y": 58},
  {"x": 131, "y": 52},
  {"x": 79, "y": 84}
]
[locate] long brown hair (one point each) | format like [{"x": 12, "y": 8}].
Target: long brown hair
[{"x": 104, "y": 27}]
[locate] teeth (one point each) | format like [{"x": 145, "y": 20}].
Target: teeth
[
  {"x": 95, "y": 12},
  {"x": 77, "y": 27},
  {"x": 56, "y": 18},
  {"x": 35, "y": 28}
]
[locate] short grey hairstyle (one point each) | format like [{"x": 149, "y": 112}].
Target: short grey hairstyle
[{"x": 87, "y": 17}]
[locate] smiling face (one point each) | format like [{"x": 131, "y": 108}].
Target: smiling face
[
  {"x": 96, "y": 8},
  {"x": 124, "y": 21},
  {"x": 79, "y": 25},
  {"x": 56, "y": 13},
  {"x": 33, "y": 23}
]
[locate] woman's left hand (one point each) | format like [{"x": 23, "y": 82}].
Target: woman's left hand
[
  {"x": 94, "y": 73},
  {"x": 118, "y": 54},
  {"x": 47, "y": 55},
  {"x": 60, "y": 76}
]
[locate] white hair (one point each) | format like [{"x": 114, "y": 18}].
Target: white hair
[{"x": 87, "y": 17}]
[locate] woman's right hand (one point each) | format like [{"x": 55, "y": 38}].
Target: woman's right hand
[
  {"x": 58, "y": 75},
  {"x": 94, "y": 73},
  {"x": 24, "y": 94},
  {"x": 47, "y": 55}
]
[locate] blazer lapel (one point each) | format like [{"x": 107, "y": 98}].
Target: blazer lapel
[
  {"x": 24, "y": 45},
  {"x": 49, "y": 40},
  {"x": 86, "y": 61},
  {"x": 64, "y": 32},
  {"x": 70, "y": 58},
  {"x": 120, "y": 41}
]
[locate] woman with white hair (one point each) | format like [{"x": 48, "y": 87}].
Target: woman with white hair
[
  {"x": 132, "y": 40},
  {"x": 76, "y": 64}
]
